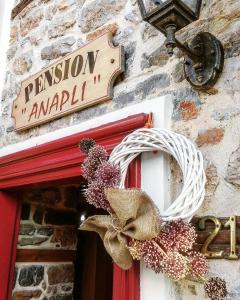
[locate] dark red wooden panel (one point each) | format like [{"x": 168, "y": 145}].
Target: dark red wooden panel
[
  {"x": 10, "y": 209},
  {"x": 46, "y": 255},
  {"x": 126, "y": 284}
]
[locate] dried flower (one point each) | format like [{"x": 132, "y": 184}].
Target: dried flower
[
  {"x": 108, "y": 174},
  {"x": 175, "y": 266},
  {"x": 135, "y": 249},
  {"x": 216, "y": 288},
  {"x": 198, "y": 265},
  {"x": 169, "y": 252},
  {"x": 96, "y": 156},
  {"x": 177, "y": 236},
  {"x": 86, "y": 144},
  {"x": 95, "y": 195},
  {"x": 152, "y": 255}
]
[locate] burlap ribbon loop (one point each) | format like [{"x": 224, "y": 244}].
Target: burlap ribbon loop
[{"x": 135, "y": 216}]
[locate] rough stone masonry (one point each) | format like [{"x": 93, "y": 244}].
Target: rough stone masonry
[
  {"x": 48, "y": 221},
  {"x": 49, "y": 29}
]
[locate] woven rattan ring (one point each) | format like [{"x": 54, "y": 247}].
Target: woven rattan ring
[{"x": 187, "y": 156}]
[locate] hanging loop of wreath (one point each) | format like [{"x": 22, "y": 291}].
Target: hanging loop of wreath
[{"x": 189, "y": 159}]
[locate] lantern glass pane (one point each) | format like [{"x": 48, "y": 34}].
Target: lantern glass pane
[
  {"x": 192, "y": 4},
  {"x": 150, "y": 4}
]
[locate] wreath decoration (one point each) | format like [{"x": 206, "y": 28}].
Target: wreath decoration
[
  {"x": 133, "y": 228},
  {"x": 187, "y": 156}
]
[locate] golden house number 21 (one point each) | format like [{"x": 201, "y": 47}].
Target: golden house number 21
[{"x": 231, "y": 223}]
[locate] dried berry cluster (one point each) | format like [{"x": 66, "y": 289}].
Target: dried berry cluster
[
  {"x": 171, "y": 252},
  {"x": 216, "y": 288},
  {"x": 99, "y": 173},
  {"x": 86, "y": 144}
]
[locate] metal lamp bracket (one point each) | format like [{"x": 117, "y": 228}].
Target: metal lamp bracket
[
  {"x": 204, "y": 58},
  {"x": 203, "y": 74}
]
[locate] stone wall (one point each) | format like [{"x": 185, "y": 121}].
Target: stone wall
[
  {"x": 48, "y": 222},
  {"x": 47, "y": 229},
  {"x": 43, "y": 281},
  {"x": 49, "y": 29}
]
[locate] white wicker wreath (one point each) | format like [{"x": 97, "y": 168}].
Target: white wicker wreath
[{"x": 187, "y": 156}]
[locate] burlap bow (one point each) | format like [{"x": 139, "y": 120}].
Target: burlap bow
[{"x": 135, "y": 216}]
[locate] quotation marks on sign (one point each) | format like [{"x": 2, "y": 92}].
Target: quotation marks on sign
[{"x": 97, "y": 79}]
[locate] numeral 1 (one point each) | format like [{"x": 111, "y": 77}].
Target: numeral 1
[{"x": 232, "y": 223}]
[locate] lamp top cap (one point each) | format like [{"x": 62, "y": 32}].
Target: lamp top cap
[
  {"x": 148, "y": 5},
  {"x": 191, "y": 4},
  {"x": 160, "y": 13}
]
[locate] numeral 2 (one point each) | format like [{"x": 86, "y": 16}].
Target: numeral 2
[{"x": 218, "y": 225}]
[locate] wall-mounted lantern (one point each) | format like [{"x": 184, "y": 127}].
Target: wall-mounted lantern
[{"x": 204, "y": 56}]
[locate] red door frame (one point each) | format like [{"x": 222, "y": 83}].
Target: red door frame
[{"x": 53, "y": 162}]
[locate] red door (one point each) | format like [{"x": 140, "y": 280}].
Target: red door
[{"x": 53, "y": 162}]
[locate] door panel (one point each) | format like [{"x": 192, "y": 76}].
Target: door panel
[
  {"x": 10, "y": 210},
  {"x": 94, "y": 269}
]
